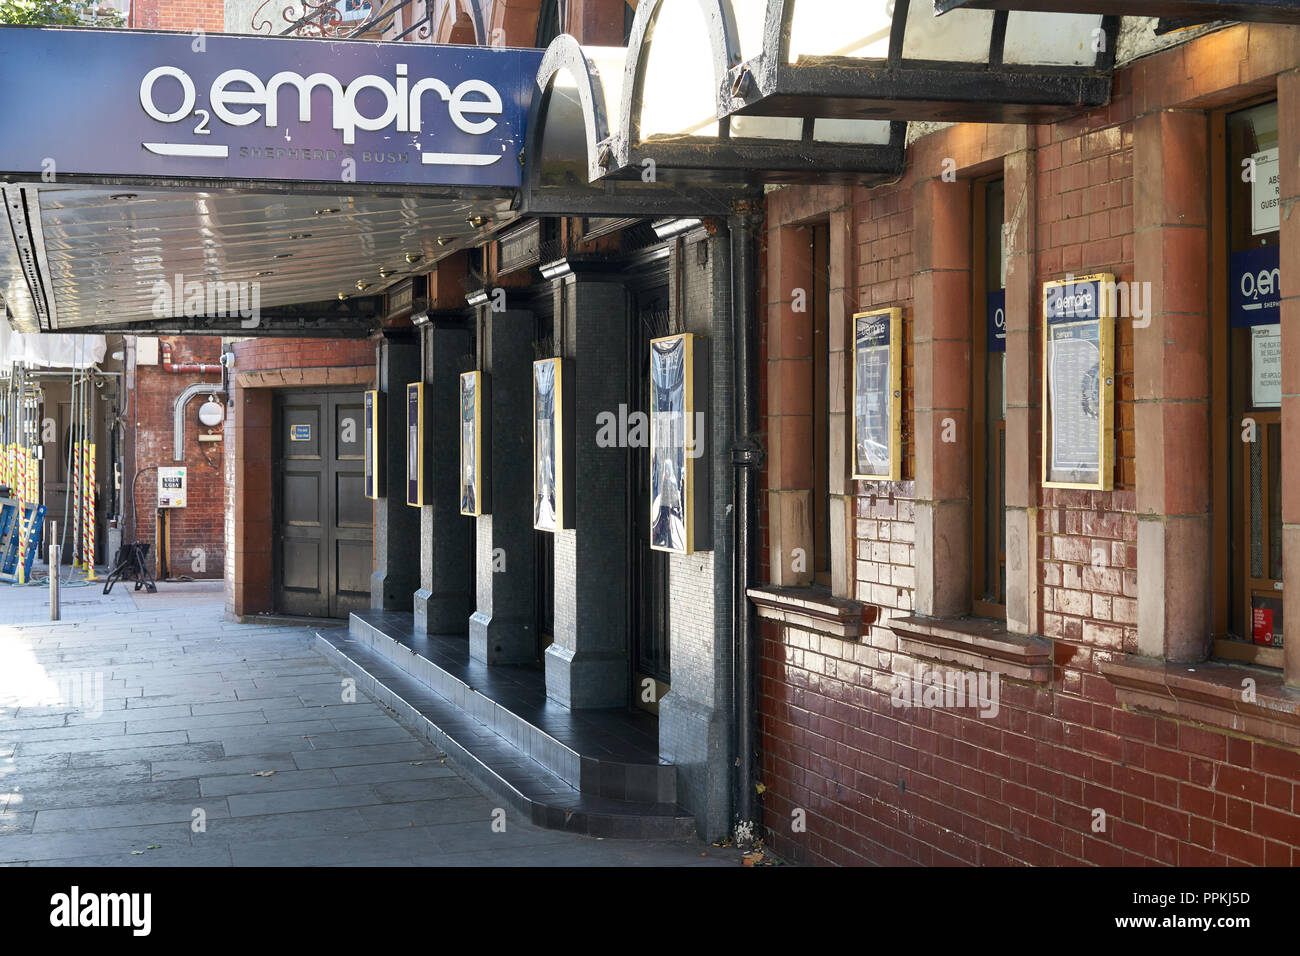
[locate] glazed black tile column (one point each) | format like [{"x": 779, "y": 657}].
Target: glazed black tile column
[
  {"x": 587, "y": 665},
  {"x": 397, "y": 524},
  {"x": 444, "y": 600},
  {"x": 503, "y": 627}
]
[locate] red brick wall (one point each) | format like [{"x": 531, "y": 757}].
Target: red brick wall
[
  {"x": 895, "y": 786},
  {"x": 884, "y": 785},
  {"x": 182, "y": 15},
  {"x": 200, "y": 523}
]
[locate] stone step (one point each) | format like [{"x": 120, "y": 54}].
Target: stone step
[{"x": 543, "y": 797}]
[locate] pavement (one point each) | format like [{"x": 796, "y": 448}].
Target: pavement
[{"x": 146, "y": 730}]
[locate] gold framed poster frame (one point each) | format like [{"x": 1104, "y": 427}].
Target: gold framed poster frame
[
  {"x": 1104, "y": 297},
  {"x": 553, "y": 452},
  {"x": 373, "y": 429},
  {"x": 470, "y": 426},
  {"x": 415, "y": 454},
  {"x": 678, "y": 489},
  {"x": 879, "y": 328}
]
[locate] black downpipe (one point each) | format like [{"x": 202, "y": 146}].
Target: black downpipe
[{"x": 746, "y": 459}]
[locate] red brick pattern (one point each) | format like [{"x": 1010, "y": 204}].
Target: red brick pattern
[
  {"x": 1088, "y": 571},
  {"x": 195, "y": 532},
  {"x": 898, "y": 786},
  {"x": 884, "y": 539},
  {"x": 180, "y": 15}
]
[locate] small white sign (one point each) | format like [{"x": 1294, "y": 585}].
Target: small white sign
[
  {"x": 1266, "y": 365},
  {"x": 171, "y": 487},
  {"x": 1265, "y": 193}
]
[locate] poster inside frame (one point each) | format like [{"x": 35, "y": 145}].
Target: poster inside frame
[
  {"x": 1079, "y": 383},
  {"x": 678, "y": 489},
  {"x": 470, "y": 482},
  {"x": 415, "y": 457},
  {"x": 878, "y": 394},
  {"x": 552, "y": 444},
  {"x": 373, "y": 415}
]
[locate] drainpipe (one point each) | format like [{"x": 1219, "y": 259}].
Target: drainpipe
[
  {"x": 746, "y": 458},
  {"x": 167, "y": 365}
]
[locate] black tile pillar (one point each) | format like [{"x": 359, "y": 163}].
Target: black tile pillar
[
  {"x": 397, "y": 524},
  {"x": 503, "y": 627},
  {"x": 587, "y": 665},
  {"x": 444, "y": 600}
]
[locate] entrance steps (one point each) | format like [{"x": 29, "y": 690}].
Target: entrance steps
[{"x": 593, "y": 772}]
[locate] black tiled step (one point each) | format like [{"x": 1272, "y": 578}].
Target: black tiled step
[
  {"x": 606, "y": 753},
  {"x": 544, "y": 798}
]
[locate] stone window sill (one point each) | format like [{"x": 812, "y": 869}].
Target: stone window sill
[
  {"x": 1210, "y": 694},
  {"x": 975, "y": 643},
  {"x": 813, "y": 609}
]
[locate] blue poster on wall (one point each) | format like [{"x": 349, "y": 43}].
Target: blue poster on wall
[
  {"x": 997, "y": 320},
  {"x": 1254, "y": 287}
]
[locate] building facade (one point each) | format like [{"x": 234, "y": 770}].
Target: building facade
[
  {"x": 743, "y": 463},
  {"x": 1144, "y": 713}
]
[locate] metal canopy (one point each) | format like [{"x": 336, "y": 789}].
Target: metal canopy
[
  {"x": 80, "y": 256},
  {"x": 824, "y": 58},
  {"x": 1200, "y": 11},
  {"x": 634, "y": 120}
]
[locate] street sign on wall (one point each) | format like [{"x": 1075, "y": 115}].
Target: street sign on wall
[{"x": 131, "y": 103}]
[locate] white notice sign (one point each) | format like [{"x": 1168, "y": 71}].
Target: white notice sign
[
  {"x": 1266, "y": 365},
  {"x": 1265, "y": 193},
  {"x": 171, "y": 487}
]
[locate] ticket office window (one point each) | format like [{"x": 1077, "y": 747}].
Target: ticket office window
[
  {"x": 989, "y": 401},
  {"x": 1248, "y": 380}
]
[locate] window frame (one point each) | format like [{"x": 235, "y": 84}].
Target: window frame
[
  {"x": 979, "y": 402},
  {"x": 1229, "y": 527}
]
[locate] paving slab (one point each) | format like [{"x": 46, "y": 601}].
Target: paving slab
[{"x": 195, "y": 712}]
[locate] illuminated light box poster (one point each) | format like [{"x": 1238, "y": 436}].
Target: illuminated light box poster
[
  {"x": 471, "y": 443},
  {"x": 877, "y": 394},
  {"x": 678, "y": 490},
  {"x": 415, "y": 444},
  {"x": 552, "y": 441},
  {"x": 373, "y": 415},
  {"x": 1078, "y": 383}
]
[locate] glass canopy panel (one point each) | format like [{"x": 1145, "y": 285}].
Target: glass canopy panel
[
  {"x": 679, "y": 91},
  {"x": 608, "y": 64},
  {"x": 766, "y": 127},
  {"x": 751, "y": 16},
  {"x": 928, "y": 37},
  {"x": 563, "y": 148},
  {"x": 875, "y": 132},
  {"x": 1052, "y": 39},
  {"x": 835, "y": 28}
]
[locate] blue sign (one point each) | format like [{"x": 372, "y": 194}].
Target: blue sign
[
  {"x": 1254, "y": 287},
  {"x": 130, "y": 103},
  {"x": 1074, "y": 301},
  {"x": 996, "y": 312},
  {"x": 300, "y": 432}
]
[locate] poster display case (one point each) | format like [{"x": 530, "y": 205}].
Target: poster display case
[
  {"x": 1079, "y": 383},
  {"x": 877, "y": 394}
]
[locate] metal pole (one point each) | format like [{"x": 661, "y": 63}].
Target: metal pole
[
  {"x": 746, "y": 456},
  {"x": 54, "y": 571}
]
